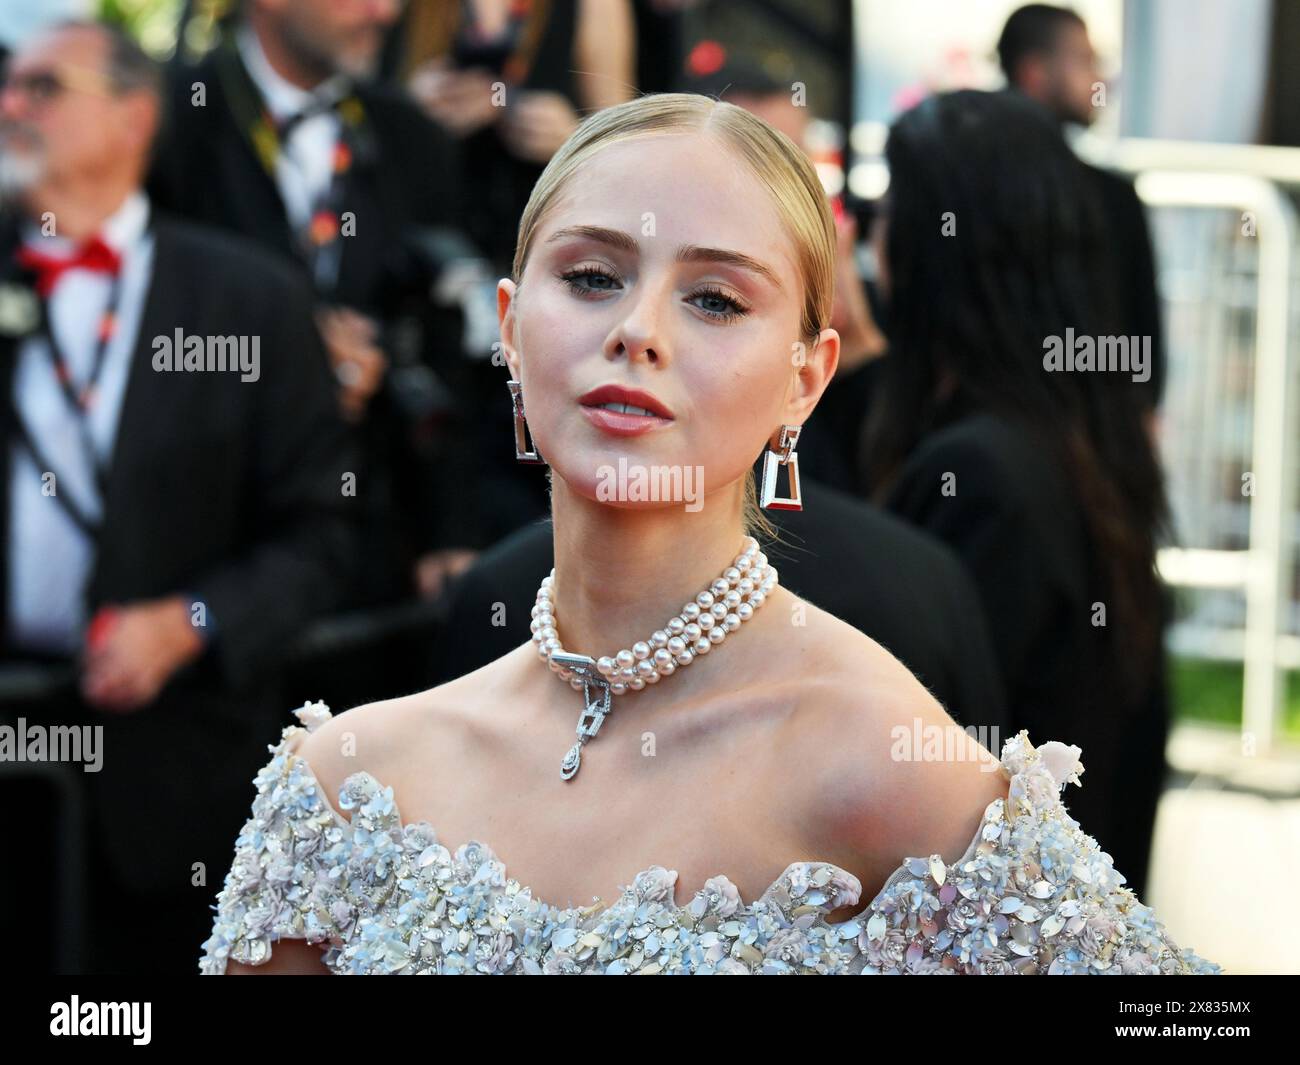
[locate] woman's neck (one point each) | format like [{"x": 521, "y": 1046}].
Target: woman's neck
[{"x": 621, "y": 573}]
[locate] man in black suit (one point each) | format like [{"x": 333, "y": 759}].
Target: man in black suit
[
  {"x": 280, "y": 134},
  {"x": 173, "y": 507},
  {"x": 1046, "y": 55},
  {"x": 902, "y": 588}
]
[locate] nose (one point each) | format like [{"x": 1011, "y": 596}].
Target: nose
[
  {"x": 11, "y": 101},
  {"x": 385, "y": 12},
  {"x": 641, "y": 335}
]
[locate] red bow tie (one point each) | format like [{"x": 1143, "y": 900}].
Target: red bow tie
[{"x": 92, "y": 255}]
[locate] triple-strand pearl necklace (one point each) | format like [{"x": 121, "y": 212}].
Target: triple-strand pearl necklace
[{"x": 702, "y": 623}]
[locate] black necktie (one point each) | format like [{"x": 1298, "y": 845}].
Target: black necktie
[{"x": 285, "y": 128}]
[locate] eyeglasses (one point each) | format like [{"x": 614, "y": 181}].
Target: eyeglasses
[{"x": 43, "y": 87}]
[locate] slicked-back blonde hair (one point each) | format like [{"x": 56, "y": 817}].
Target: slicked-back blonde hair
[{"x": 778, "y": 163}]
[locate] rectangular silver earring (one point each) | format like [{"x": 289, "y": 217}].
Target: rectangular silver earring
[
  {"x": 521, "y": 427},
  {"x": 772, "y": 460}
]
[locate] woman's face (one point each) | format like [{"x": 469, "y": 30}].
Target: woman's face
[{"x": 662, "y": 267}]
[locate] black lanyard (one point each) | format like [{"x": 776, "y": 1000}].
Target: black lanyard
[
  {"x": 319, "y": 243},
  {"x": 79, "y": 401},
  {"x": 321, "y": 239}
]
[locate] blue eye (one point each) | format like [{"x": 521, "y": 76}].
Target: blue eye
[
  {"x": 571, "y": 279},
  {"x": 733, "y": 308},
  {"x": 586, "y": 281}
]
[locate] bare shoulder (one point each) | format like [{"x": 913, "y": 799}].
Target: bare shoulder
[
  {"x": 851, "y": 680},
  {"x": 896, "y": 775},
  {"x": 365, "y": 738},
  {"x": 389, "y": 738}
]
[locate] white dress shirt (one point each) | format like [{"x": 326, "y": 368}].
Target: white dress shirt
[
  {"x": 50, "y": 556},
  {"x": 305, "y": 164}
]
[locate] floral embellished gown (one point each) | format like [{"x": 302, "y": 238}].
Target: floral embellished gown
[{"x": 1033, "y": 894}]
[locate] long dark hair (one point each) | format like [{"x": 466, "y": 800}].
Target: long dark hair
[{"x": 973, "y": 296}]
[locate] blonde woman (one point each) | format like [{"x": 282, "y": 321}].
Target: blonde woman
[{"x": 753, "y": 800}]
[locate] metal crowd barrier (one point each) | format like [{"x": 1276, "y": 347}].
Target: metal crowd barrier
[{"x": 1255, "y": 556}]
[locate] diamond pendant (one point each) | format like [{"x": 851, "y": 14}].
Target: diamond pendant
[
  {"x": 594, "y": 710},
  {"x": 572, "y": 761}
]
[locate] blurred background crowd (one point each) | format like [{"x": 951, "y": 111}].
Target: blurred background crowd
[{"x": 1105, "y": 558}]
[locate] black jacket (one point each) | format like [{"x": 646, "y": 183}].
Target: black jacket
[
  {"x": 206, "y": 168},
  {"x": 225, "y": 489},
  {"x": 402, "y": 186}
]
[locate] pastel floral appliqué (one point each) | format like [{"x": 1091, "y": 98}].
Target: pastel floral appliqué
[{"x": 1032, "y": 895}]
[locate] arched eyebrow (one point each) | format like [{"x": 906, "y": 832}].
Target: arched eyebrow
[{"x": 686, "y": 253}]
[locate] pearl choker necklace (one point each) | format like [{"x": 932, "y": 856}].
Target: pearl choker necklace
[{"x": 702, "y": 623}]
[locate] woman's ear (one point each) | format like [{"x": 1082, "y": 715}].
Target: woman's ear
[
  {"x": 814, "y": 367},
  {"x": 507, "y": 301},
  {"x": 828, "y": 342}
]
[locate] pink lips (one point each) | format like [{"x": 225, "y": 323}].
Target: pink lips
[{"x": 624, "y": 424}]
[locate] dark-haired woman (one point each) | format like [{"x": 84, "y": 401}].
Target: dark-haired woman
[{"x": 1043, "y": 479}]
